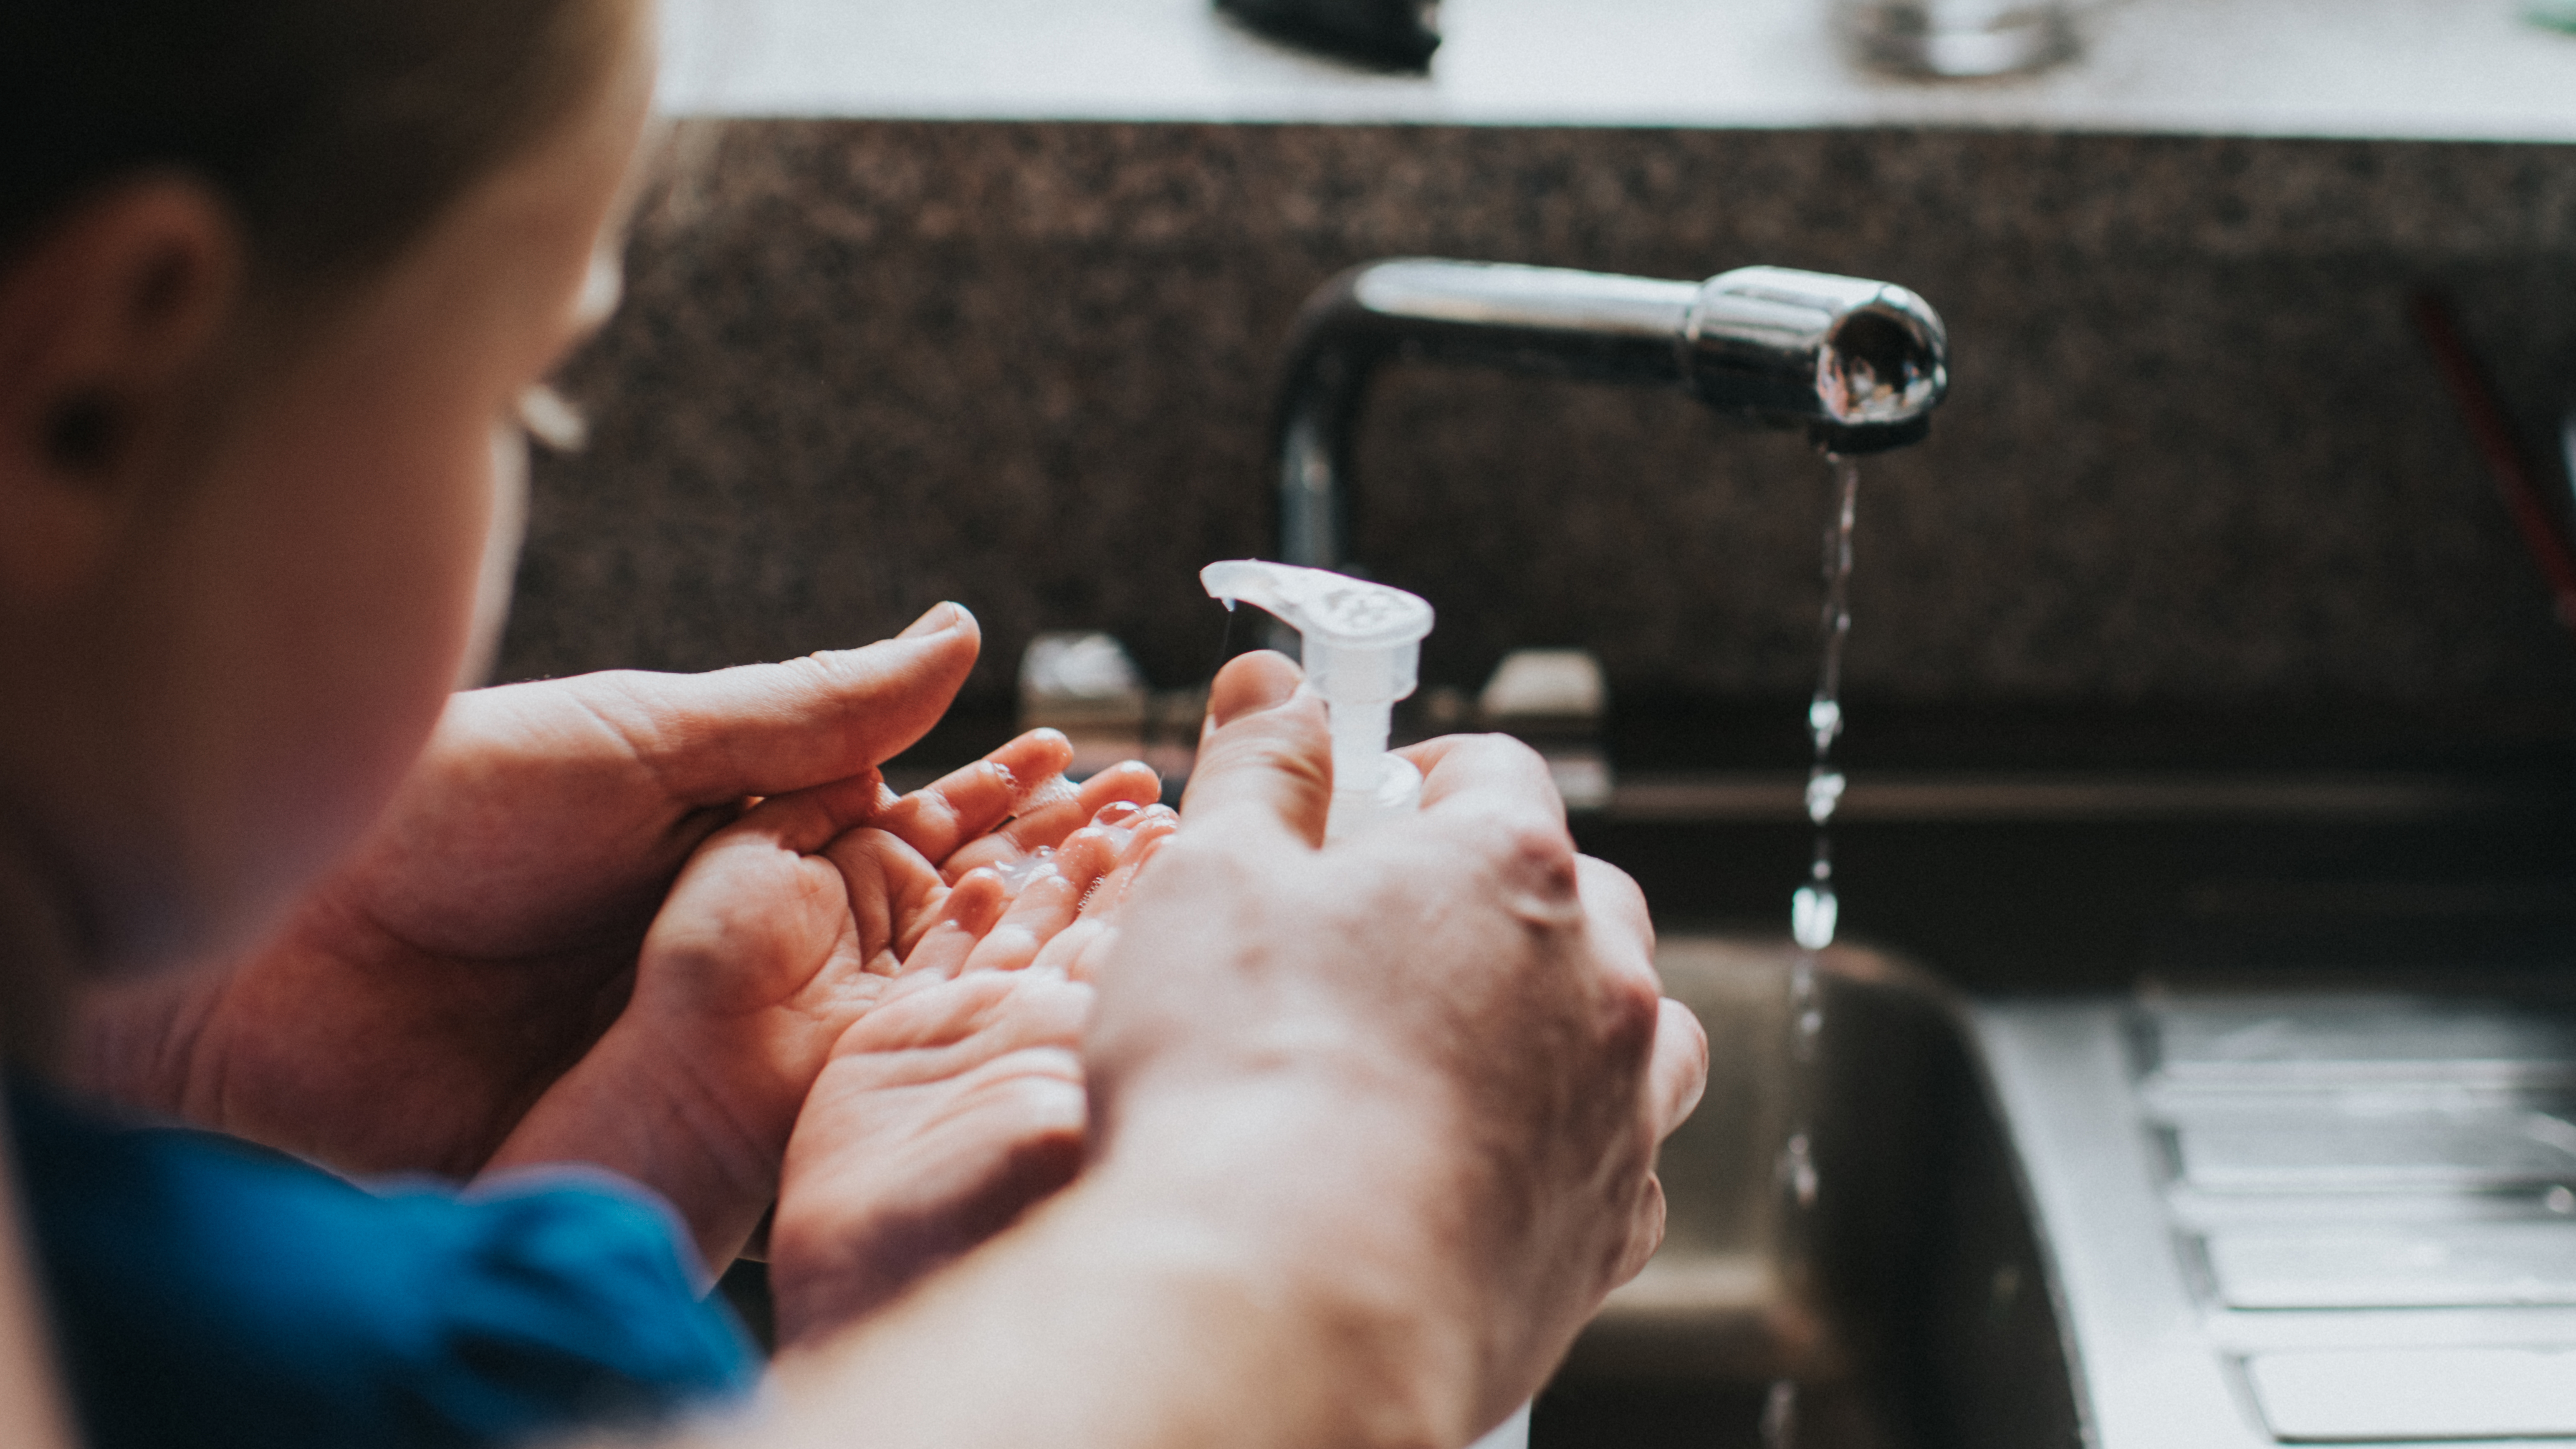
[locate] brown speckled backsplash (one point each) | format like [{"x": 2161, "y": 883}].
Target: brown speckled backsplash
[{"x": 2192, "y": 454}]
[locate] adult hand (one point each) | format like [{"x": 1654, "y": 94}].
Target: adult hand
[
  {"x": 485, "y": 933},
  {"x": 1372, "y": 1131},
  {"x": 1431, "y": 1063}
]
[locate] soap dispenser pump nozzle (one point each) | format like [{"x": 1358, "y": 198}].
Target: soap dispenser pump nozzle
[{"x": 1362, "y": 643}]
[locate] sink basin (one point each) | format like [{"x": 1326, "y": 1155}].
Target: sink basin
[{"x": 1849, "y": 1259}]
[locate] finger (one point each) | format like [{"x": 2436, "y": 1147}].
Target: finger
[
  {"x": 1044, "y": 906},
  {"x": 1145, "y": 830},
  {"x": 1645, "y": 1231},
  {"x": 1097, "y": 950},
  {"x": 1052, "y": 815},
  {"x": 965, "y": 803},
  {"x": 893, "y": 893},
  {"x": 1150, "y": 828},
  {"x": 1073, "y": 948},
  {"x": 972, "y": 909},
  {"x": 1484, "y": 772},
  {"x": 1265, "y": 763},
  {"x": 1616, "y": 910},
  {"x": 1047, "y": 904},
  {"x": 1119, "y": 814},
  {"x": 1079, "y": 948},
  {"x": 767, "y": 729},
  {"x": 1620, "y": 936},
  {"x": 1677, "y": 1069},
  {"x": 1250, "y": 682},
  {"x": 807, "y": 821},
  {"x": 1129, "y": 783}
]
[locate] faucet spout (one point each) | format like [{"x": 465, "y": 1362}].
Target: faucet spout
[{"x": 1859, "y": 364}]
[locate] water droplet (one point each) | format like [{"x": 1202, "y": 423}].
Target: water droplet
[
  {"x": 1780, "y": 1416},
  {"x": 1825, "y": 721},
  {"x": 2559, "y": 1200},
  {"x": 1824, "y": 792},
  {"x": 1016, "y": 874},
  {"x": 1798, "y": 1169},
  {"x": 1812, "y": 914},
  {"x": 1806, "y": 1009}
]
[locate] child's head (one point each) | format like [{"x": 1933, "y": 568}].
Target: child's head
[
  {"x": 334, "y": 128},
  {"x": 273, "y": 274}
]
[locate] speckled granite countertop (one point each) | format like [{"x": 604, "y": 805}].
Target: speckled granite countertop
[{"x": 2193, "y": 454}]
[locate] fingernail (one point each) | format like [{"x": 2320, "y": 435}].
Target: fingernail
[
  {"x": 1267, "y": 689},
  {"x": 941, "y": 618},
  {"x": 1279, "y": 688}
]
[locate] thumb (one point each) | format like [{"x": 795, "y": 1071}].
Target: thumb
[
  {"x": 767, "y": 729},
  {"x": 1266, "y": 761}
]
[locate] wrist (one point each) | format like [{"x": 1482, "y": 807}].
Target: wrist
[
  {"x": 1339, "y": 1210},
  {"x": 642, "y": 1105},
  {"x": 1248, "y": 1251}
]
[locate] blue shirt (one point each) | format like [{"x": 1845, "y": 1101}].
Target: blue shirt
[{"x": 207, "y": 1293}]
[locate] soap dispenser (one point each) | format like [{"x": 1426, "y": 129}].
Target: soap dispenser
[{"x": 1362, "y": 643}]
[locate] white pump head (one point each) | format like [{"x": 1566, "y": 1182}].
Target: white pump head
[{"x": 1363, "y": 642}]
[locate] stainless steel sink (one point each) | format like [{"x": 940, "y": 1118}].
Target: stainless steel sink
[
  {"x": 2322, "y": 1215},
  {"x": 1849, "y": 1260}
]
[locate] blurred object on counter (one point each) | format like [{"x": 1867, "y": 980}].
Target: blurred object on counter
[
  {"x": 2492, "y": 431},
  {"x": 1957, "y": 39},
  {"x": 1556, "y": 701},
  {"x": 1088, "y": 686},
  {"x": 1392, "y": 34}
]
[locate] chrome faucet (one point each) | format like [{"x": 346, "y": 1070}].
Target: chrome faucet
[{"x": 1859, "y": 364}]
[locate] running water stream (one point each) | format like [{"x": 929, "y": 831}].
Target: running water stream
[{"x": 1816, "y": 910}]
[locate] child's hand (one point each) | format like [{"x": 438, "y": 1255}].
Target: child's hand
[
  {"x": 782, "y": 930},
  {"x": 1061, "y": 905},
  {"x": 956, "y": 1103}
]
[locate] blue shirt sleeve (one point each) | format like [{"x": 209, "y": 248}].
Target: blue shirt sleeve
[{"x": 209, "y": 1294}]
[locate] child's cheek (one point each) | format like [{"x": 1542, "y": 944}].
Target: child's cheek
[{"x": 322, "y": 677}]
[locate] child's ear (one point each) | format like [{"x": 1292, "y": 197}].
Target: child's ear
[{"x": 106, "y": 314}]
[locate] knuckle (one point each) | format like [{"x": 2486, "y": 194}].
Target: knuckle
[
  {"x": 1632, "y": 1011},
  {"x": 1502, "y": 746},
  {"x": 1612, "y": 890},
  {"x": 1652, "y": 1207},
  {"x": 1274, "y": 752},
  {"x": 1201, "y": 867},
  {"x": 1538, "y": 855},
  {"x": 1694, "y": 1032}
]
